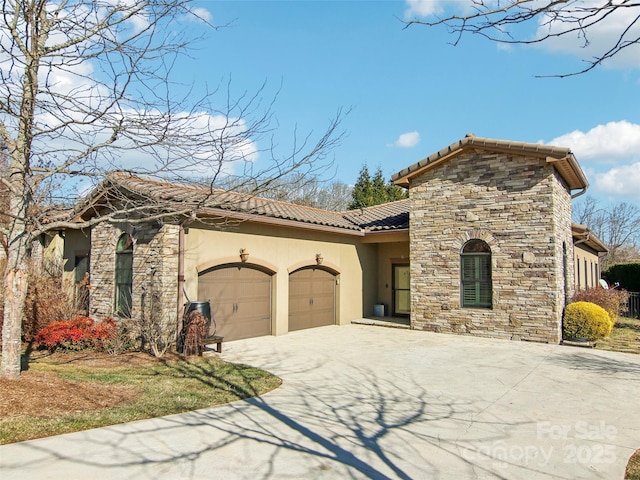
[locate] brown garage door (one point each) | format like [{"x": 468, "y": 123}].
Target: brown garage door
[
  {"x": 312, "y": 298},
  {"x": 240, "y": 299}
]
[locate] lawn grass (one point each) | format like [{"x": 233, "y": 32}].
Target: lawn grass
[
  {"x": 151, "y": 389},
  {"x": 625, "y": 337}
]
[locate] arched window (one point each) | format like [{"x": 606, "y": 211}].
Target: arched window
[
  {"x": 124, "y": 276},
  {"x": 475, "y": 274}
]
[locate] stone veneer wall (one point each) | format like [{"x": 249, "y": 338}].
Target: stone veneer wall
[
  {"x": 155, "y": 269},
  {"x": 519, "y": 207},
  {"x": 564, "y": 246}
]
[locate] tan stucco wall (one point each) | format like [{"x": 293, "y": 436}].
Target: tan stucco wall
[
  {"x": 76, "y": 243},
  {"x": 585, "y": 257},
  {"x": 388, "y": 254},
  {"x": 283, "y": 250}
]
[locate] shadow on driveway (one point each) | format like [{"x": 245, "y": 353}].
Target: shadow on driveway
[{"x": 359, "y": 402}]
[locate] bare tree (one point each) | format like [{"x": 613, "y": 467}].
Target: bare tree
[
  {"x": 85, "y": 91},
  {"x": 617, "y": 225},
  {"x": 335, "y": 197},
  {"x": 301, "y": 189},
  {"x": 500, "y": 21}
]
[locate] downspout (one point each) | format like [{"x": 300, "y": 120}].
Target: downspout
[
  {"x": 180, "y": 298},
  {"x": 585, "y": 239},
  {"x": 180, "y": 273},
  {"x": 581, "y": 192}
]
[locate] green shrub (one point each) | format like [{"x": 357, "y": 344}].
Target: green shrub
[
  {"x": 611, "y": 300},
  {"x": 586, "y": 320}
]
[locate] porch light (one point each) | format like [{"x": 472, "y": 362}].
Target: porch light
[
  {"x": 319, "y": 258},
  {"x": 244, "y": 254}
]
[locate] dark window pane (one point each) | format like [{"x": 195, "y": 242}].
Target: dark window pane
[
  {"x": 124, "y": 276},
  {"x": 475, "y": 272},
  {"x": 476, "y": 246}
]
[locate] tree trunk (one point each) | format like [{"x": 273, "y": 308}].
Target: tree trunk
[
  {"x": 20, "y": 191},
  {"x": 15, "y": 293}
]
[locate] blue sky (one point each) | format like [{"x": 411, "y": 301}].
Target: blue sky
[{"x": 411, "y": 93}]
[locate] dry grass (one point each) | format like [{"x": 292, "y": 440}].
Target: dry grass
[
  {"x": 67, "y": 392},
  {"x": 633, "y": 467},
  {"x": 625, "y": 337}
]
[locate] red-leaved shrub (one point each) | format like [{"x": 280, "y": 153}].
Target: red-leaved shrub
[
  {"x": 77, "y": 334},
  {"x": 610, "y": 299}
]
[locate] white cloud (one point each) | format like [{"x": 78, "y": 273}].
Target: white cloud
[
  {"x": 619, "y": 181},
  {"x": 426, "y": 8},
  {"x": 198, "y": 143},
  {"x": 203, "y": 14},
  {"x": 406, "y": 140},
  {"x": 607, "y": 30},
  {"x": 422, "y": 8},
  {"x": 604, "y": 28},
  {"x": 610, "y": 156},
  {"x": 604, "y": 143}
]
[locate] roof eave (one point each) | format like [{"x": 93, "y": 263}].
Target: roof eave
[
  {"x": 282, "y": 222},
  {"x": 386, "y": 236},
  {"x": 587, "y": 237},
  {"x": 570, "y": 171}
]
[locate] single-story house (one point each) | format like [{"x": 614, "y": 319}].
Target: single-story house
[
  {"x": 587, "y": 248},
  {"x": 482, "y": 246}
]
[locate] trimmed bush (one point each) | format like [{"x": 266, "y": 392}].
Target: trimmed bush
[
  {"x": 611, "y": 300},
  {"x": 77, "y": 334},
  {"x": 586, "y": 320},
  {"x": 626, "y": 274}
]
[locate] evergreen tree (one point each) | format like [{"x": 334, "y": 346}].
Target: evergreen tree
[
  {"x": 362, "y": 193},
  {"x": 379, "y": 187},
  {"x": 394, "y": 192},
  {"x": 367, "y": 192}
]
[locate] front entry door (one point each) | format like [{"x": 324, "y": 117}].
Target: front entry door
[{"x": 401, "y": 290}]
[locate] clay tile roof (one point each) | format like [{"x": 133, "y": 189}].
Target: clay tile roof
[
  {"x": 206, "y": 201},
  {"x": 388, "y": 216},
  {"x": 562, "y": 158}
]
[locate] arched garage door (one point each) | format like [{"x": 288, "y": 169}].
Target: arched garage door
[
  {"x": 312, "y": 298},
  {"x": 240, "y": 299}
]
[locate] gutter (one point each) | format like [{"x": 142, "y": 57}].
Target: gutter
[
  {"x": 586, "y": 238},
  {"x": 581, "y": 192}
]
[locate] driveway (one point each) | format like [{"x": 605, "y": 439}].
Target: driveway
[{"x": 370, "y": 402}]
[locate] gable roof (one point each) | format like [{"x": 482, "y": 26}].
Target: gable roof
[
  {"x": 561, "y": 158},
  {"x": 217, "y": 202}
]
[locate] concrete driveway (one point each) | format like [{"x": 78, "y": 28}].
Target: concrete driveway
[{"x": 370, "y": 402}]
